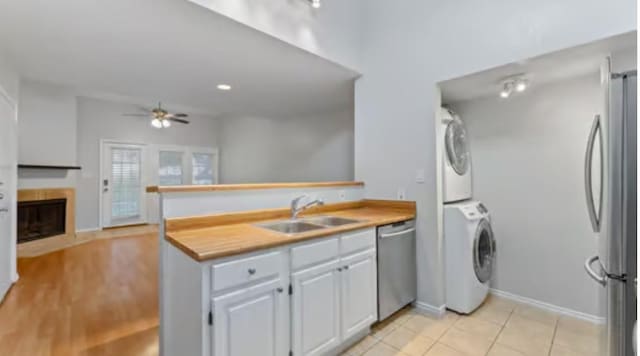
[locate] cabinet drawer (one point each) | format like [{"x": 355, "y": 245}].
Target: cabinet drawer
[
  {"x": 245, "y": 270},
  {"x": 358, "y": 241},
  {"x": 314, "y": 252}
]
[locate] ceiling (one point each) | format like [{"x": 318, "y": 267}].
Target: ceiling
[
  {"x": 169, "y": 50},
  {"x": 547, "y": 68}
]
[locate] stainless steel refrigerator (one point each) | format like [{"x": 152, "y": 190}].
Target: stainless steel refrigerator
[{"x": 612, "y": 208}]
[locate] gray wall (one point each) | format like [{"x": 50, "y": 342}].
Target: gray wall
[
  {"x": 307, "y": 148},
  {"x": 528, "y": 166},
  {"x": 408, "y": 47},
  {"x": 58, "y": 126},
  {"x": 101, "y": 119},
  {"x": 46, "y": 134}
]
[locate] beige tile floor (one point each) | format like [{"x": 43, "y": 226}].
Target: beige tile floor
[{"x": 498, "y": 328}]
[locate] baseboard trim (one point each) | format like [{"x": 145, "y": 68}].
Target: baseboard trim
[
  {"x": 549, "y": 307},
  {"x": 431, "y": 310},
  {"x": 88, "y": 230}
]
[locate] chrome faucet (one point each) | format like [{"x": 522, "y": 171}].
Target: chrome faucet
[{"x": 295, "y": 209}]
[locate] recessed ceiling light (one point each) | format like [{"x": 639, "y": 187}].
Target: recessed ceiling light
[{"x": 224, "y": 86}]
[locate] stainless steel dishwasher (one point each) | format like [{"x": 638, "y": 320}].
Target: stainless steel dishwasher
[{"x": 396, "y": 267}]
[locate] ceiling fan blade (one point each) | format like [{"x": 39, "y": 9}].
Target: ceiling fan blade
[
  {"x": 180, "y": 115},
  {"x": 178, "y": 120}
]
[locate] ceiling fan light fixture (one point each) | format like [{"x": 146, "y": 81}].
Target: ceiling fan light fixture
[
  {"x": 166, "y": 123},
  {"x": 224, "y": 87},
  {"x": 315, "y": 4},
  {"x": 156, "y": 123}
]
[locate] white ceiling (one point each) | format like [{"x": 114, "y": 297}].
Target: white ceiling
[
  {"x": 169, "y": 50},
  {"x": 547, "y": 68}
]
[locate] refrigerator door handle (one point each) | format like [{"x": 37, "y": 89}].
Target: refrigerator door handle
[
  {"x": 602, "y": 280},
  {"x": 593, "y": 215}
]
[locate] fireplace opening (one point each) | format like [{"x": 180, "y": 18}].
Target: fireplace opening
[{"x": 41, "y": 218}]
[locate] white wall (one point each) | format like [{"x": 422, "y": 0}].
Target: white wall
[
  {"x": 333, "y": 31},
  {"x": 528, "y": 168},
  {"x": 9, "y": 95},
  {"x": 408, "y": 47},
  {"x": 101, "y": 119},
  {"x": 46, "y": 134},
  {"x": 298, "y": 149}
]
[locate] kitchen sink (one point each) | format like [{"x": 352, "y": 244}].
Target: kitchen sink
[
  {"x": 291, "y": 226},
  {"x": 331, "y": 221}
]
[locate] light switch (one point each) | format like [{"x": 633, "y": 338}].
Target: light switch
[
  {"x": 420, "y": 176},
  {"x": 402, "y": 194}
]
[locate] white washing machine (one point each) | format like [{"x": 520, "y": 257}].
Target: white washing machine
[
  {"x": 470, "y": 250},
  {"x": 456, "y": 160}
]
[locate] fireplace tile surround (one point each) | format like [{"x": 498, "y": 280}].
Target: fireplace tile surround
[{"x": 51, "y": 195}]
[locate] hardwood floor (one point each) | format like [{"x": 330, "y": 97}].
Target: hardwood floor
[{"x": 98, "y": 298}]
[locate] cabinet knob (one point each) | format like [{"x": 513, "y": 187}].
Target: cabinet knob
[
  {"x": 280, "y": 289},
  {"x": 252, "y": 271},
  {"x": 346, "y": 267},
  {"x": 339, "y": 269}
]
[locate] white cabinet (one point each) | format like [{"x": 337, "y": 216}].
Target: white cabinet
[
  {"x": 359, "y": 292},
  {"x": 252, "y": 321},
  {"x": 335, "y": 300},
  {"x": 316, "y": 309},
  {"x": 307, "y": 299}
]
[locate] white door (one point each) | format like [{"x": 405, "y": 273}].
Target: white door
[
  {"x": 359, "y": 307},
  {"x": 252, "y": 321},
  {"x": 316, "y": 309},
  {"x": 8, "y": 181},
  {"x": 122, "y": 185}
]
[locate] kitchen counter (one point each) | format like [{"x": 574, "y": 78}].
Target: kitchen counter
[{"x": 223, "y": 235}]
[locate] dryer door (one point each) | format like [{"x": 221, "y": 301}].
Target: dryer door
[
  {"x": 483, "y": 251},
  {"x": 457, "y": 147}
]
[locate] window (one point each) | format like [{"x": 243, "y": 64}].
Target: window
[
  {"x": 202, "y": 168},
  {"x": 126, "y": 182},
  {"x": 170, "y": 168}
]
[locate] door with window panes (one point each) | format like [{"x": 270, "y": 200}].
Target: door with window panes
[{"x": 122, "y": 185}]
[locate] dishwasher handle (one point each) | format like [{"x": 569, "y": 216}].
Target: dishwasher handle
[{"x": 384, "y": 236}]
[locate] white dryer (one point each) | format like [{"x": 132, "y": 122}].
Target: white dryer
[
  {"x": 470, "y": 250},
  {"x": 456, "y": 160}
]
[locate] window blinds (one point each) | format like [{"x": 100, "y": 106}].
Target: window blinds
[{"x": 126, "y": 182}]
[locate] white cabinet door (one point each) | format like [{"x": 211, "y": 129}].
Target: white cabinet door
[
  {"x": 316, "y": 309},
  {"x": 359, "y": 307},
  {"x": 252, "y": 321}
]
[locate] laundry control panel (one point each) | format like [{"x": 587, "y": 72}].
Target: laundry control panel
[{"x": 474, "y": 211}]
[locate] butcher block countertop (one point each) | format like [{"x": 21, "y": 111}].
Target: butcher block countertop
[{"x": 223, "y": 235}]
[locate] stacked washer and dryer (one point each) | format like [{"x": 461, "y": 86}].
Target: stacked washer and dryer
[{"x": 469, "y": 243}]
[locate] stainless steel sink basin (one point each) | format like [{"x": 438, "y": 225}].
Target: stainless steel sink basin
[
  {"x": 331, "y": 221},
  {"x": 291, "y": 226}
]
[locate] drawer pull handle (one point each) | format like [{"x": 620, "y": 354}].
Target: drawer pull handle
[
  {"x": 252, "y": 271},
  {"x": 280, "y": 290}
]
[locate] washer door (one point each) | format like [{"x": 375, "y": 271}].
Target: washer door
[
  {"x": 483, "y": 251},
  {"x": 457, "y": 147}
]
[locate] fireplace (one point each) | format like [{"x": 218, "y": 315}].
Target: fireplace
[{"x": 39, "y": 219}]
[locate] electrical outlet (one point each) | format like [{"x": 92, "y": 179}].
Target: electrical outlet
[
  {"x": 342, "y": 195},
  {"x": 401, "y": 193}
]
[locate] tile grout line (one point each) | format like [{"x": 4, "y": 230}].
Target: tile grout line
[
  {"x": 553, "y": 338},
  {"x": 500, "y": 332}
]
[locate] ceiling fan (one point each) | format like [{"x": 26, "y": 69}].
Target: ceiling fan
[{"x": 161, "y": 118}]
